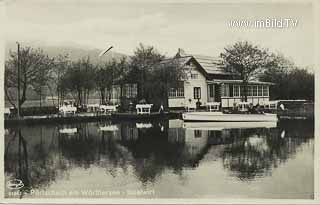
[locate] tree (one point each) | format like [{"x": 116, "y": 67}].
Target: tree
[
  {"x": 62, "y": 63},
  {"x": 277, "y": 73},
  {"x": 88, "y": 74},
  {"x": 114, "y": 72},
  {"x": 104, "y": 79},
  {"x": 166, "y": 75},
  {"x": 43, "y": 76},
  {"x": 246, "y": 61},
  {"x": 301, "y": 84},
  {"x": 143, "y": 62},
  {"x": 121, "y": 75},
  {"x": 79, "y": 80},
  {"x": 101, "y": 82},
  {"x": 288, "y": 79},
  {"x": 33, "y": 63}
]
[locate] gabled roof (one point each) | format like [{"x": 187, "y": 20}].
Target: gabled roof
[{"x": 211, "y": 65}]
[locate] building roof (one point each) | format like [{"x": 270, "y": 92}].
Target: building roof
[{"x": 211, "y": 65}]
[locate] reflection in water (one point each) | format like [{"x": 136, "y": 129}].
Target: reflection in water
[{"x": 43, "y": 155}]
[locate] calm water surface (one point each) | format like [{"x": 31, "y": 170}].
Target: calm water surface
[{"x": 161, "y": 159}]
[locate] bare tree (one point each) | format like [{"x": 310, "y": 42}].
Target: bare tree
[
  {"x": 61, "y": 65},
  {"x": 79, "y": 80},
  {"x": 43, "y": 77},
  {"x": 34, "y": 67}
]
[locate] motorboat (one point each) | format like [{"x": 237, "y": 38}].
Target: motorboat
[
  {"x": 223, "y": 117},
  {"x": 227, "y": 125}
]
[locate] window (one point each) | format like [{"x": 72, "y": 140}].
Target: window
[
  {"x": 231, "y": 90},
  {"x": 236, "y": 90},
  {"x": 259, "y": 90},
  {"x": 249, "y": 90},
  {"x": 197, "y": 133},
  {"x": 177, "y": 92},
  {"x": 265, "y": 91},
  {"x": 211, "y": 90},
  {"x": 194, "y": 76},
  {"x": 241, "y": 90},
  {"x": 225, "y": 90},
  {"x": 130, "y": 90},
  {"x": 197, "y": 92},
  {"x": 180, "y": 92},
  {"x": 254, "y": 90}
]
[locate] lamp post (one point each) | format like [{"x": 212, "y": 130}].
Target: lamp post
[
  {"x": 18, "y": 55},
  {"x": 100, "y": 55}
]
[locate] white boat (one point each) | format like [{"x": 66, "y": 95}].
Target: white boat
[
  {"x": 227, "y": 125},
  {"x": 222, "y": 117}
]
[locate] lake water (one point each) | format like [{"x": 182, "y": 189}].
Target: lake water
[{"x": 161, "y": 159}]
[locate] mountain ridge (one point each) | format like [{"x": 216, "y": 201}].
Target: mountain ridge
[{"x": 74, "y": 52}]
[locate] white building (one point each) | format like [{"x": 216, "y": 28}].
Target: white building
[{"x": 207, "y": 81}]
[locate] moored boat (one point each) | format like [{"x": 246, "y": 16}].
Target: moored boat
[
  {"x": 222, "y": 117},
  {"x": 227, "y": 125}
]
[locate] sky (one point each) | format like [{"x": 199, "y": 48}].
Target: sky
[{"x": 200, "y": 27}]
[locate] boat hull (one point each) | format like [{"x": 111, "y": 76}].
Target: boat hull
[
  {"x": 221, "y": 117},
  {"x": 227, "y": 125}
]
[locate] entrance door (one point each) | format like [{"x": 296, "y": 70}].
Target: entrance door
[{"x": 210, "y": 92}]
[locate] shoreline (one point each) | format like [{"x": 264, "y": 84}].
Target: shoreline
[
  {"x": 88, "y": 117},
  {"x": 94, "y": 117}
]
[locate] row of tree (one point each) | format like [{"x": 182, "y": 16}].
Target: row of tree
[
  {"x": 79, "y": 79},
  {"x": 149, "y": 69}
]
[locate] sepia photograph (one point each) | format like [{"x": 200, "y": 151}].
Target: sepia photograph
[{"x": 154, "y": 100}]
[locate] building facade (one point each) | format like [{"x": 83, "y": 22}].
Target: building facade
[{"x": 206, "y": 81}]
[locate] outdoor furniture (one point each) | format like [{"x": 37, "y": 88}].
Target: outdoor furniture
[
  {"x": 92, "y": 107},
  {"x": 68, "y": 109},
  {"x": 243, "y": 106},
  {"x": 143, "y": 108},
  {"x": 108, "y": 108},
  {"x": 213, "y": 106},
  {"x": 191, "y": 107}
]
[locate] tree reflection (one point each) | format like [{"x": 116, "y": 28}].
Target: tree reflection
[
  {"x": 27, "y": 158},
  {"x": 255, "y": 152},
  {"x": 40, "y": 155}
]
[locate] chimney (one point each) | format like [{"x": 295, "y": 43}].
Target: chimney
[{"x": 181, "y": 52}]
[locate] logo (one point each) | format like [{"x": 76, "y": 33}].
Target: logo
[{"x": 15, "y": 184}]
